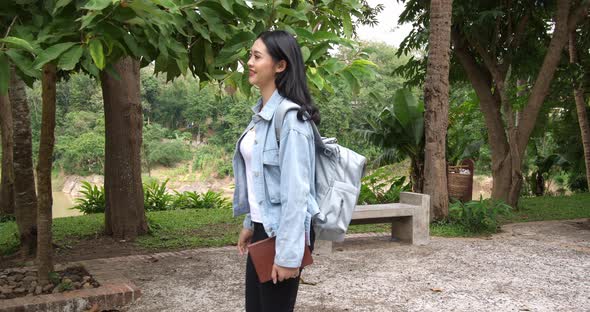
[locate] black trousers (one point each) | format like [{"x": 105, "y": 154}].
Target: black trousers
[{"x": 269, "y": 297}]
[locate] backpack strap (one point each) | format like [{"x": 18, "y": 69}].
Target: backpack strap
[{"x": 280, "y": 117}]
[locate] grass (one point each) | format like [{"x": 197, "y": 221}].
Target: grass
[
  {"x": 66, "y": 231},
  {"x": 575, "y": 206},
  {"x": 436, "y": 229},
  {"x": 8, "y": 238},
  {"x": 194, "y": 228},
  {"x": 168, "y": 230},
  {"x": 191, "y": 228}
]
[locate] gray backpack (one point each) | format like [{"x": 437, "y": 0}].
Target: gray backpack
[{"x": 338, "y": 180}]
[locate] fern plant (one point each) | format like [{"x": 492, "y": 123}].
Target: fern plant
[
  {"x": 212, "y": 199},
  {"x": 479, "y": 215},
  {"x": 92, "y": 200},
  {"x": 156, "y": 196},
  {"x": 381, "y": 187},
  {"x": 194, "y": 200}
]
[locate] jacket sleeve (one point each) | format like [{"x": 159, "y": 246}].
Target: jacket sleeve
[
  {"x": 295, "y": 161},
  {"x": 247, "y": 224}
]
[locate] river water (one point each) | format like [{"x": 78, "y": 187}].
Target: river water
[{"x": 62, "y": 203}]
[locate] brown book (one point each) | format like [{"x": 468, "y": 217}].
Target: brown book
[{"x": 262, "y": 254}]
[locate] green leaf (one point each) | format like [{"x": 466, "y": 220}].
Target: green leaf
[
  {"x": 202, "y": 31},
  {"x": 161, "y": 63},
  {"x": 23, "y": 63},
  {"x": 60, "y": 4},
  {"x": 4, "y": 74},
  {"x": 96, "y": 5},
  {"x": 51, "y": 54},
  {"x": 230, "y": 56},
  {"x": 132, "y": 45},
  {"x": 304, "y": 34},
  {"x": 361, "y": 62},
  {"x": 306, "y": 53},
  {"x": 324, "y": 35},
  {"x": 351, "y": 81},
  {"x": 182, "y": 63},
  {"x": 227, "y": 5},
  {"x": 88, "y": 18},
  {"x": 333, "y": 66},
  {"x": 209, "y": 58},
  {"x": 215, "y": 24},
  {"x": 315, "y": 78},
  {"x": 347, "y": 25},
  {"x": 89, "y": 66},
  {"x": 293, "y": 13},
  {"x": 18, "y": 42},
  {"x": 69, "y": 59},
  {"x": 168, "y": 4},
  {"x": 319, "y": 51},
  {"x": 245, "y": 86},
  {"x": 97, "y": 53},
  {"x": 240, "y": 40}
]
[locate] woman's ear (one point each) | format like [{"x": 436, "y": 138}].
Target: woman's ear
[{"x": 281, "y": 66}]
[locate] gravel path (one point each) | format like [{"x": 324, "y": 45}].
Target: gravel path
[{"x": 537, "y": 266}]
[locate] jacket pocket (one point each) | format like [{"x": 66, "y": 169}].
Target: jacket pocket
[
  {"x": 337, "y": 206},
  {"x": 272, "y": 175}
]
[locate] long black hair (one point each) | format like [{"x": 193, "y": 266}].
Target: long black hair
[{"x": 292, "y": 82}]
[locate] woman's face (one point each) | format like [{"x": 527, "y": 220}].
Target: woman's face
[{"x": 262, "y": 68}]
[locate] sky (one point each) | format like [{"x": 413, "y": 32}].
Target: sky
[{"x": 387, "y": 30}]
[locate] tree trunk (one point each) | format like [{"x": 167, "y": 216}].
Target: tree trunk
[
  {"x": 436, "y": 100},
  {"x": 581, "y": 107},
  {"x": 25, "y": 209},
  {"x": 124, "y": 214},
  {"x": 417, "y": 175},
  {"x": 44, "y": 239},
  {"x": 7, "y": 138},
  {"x": 539, "y": 184}
]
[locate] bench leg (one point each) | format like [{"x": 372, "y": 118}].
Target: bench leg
[
  {"x": 401, "y": 228},
  {"x": 421, "y": 220}
]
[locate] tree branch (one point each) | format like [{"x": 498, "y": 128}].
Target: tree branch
[
  {"x": 577, "y": 15},
  {"x": 545, "y": 74},
  {"x": 519, "y": 32},
  {"x": 481, "y": 81},
  {"x": 8, "y": 30}
]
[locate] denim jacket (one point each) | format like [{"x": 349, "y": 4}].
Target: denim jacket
[{"x": 284, "y": 180}]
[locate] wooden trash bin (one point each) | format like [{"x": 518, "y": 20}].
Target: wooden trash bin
[{"x": 460, "y": 180}]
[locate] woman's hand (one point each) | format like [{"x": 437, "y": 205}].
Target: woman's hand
[
  {"x": 282, "y": 273},
  {"x": 244, "y": 240}
]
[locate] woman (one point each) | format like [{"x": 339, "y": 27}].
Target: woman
[{"x": 274, "y": 179}]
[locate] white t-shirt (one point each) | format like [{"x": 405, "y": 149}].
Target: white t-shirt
[{"x": 246, "y": 150}]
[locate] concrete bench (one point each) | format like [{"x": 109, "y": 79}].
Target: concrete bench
[{"x": 410, "y": 219}]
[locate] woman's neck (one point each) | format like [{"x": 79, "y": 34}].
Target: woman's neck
[{"x": 267, "y": 93}]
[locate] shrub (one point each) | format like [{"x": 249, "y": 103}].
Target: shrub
[
  {"x": 82, "y": 155},
  {"x": 212, "y": 199},
  {"x": 380, "y": 187},
  {"x": 93, "y": 200},
  {"x": 212, "y": 159},
  {"x": 478, "y": 216},
  {"x": 167, "y": 153},
  {"x": 7, "y": 218},
  {"x": 156, "y": 197},
  {"x": 193, "y": 200},
  {"x": 577, "y": 183}
]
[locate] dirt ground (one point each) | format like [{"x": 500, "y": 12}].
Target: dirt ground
[{"x": 537, "y": 266}]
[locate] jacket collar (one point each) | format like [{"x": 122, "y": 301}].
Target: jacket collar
[{"x": 270, "y": 107}]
